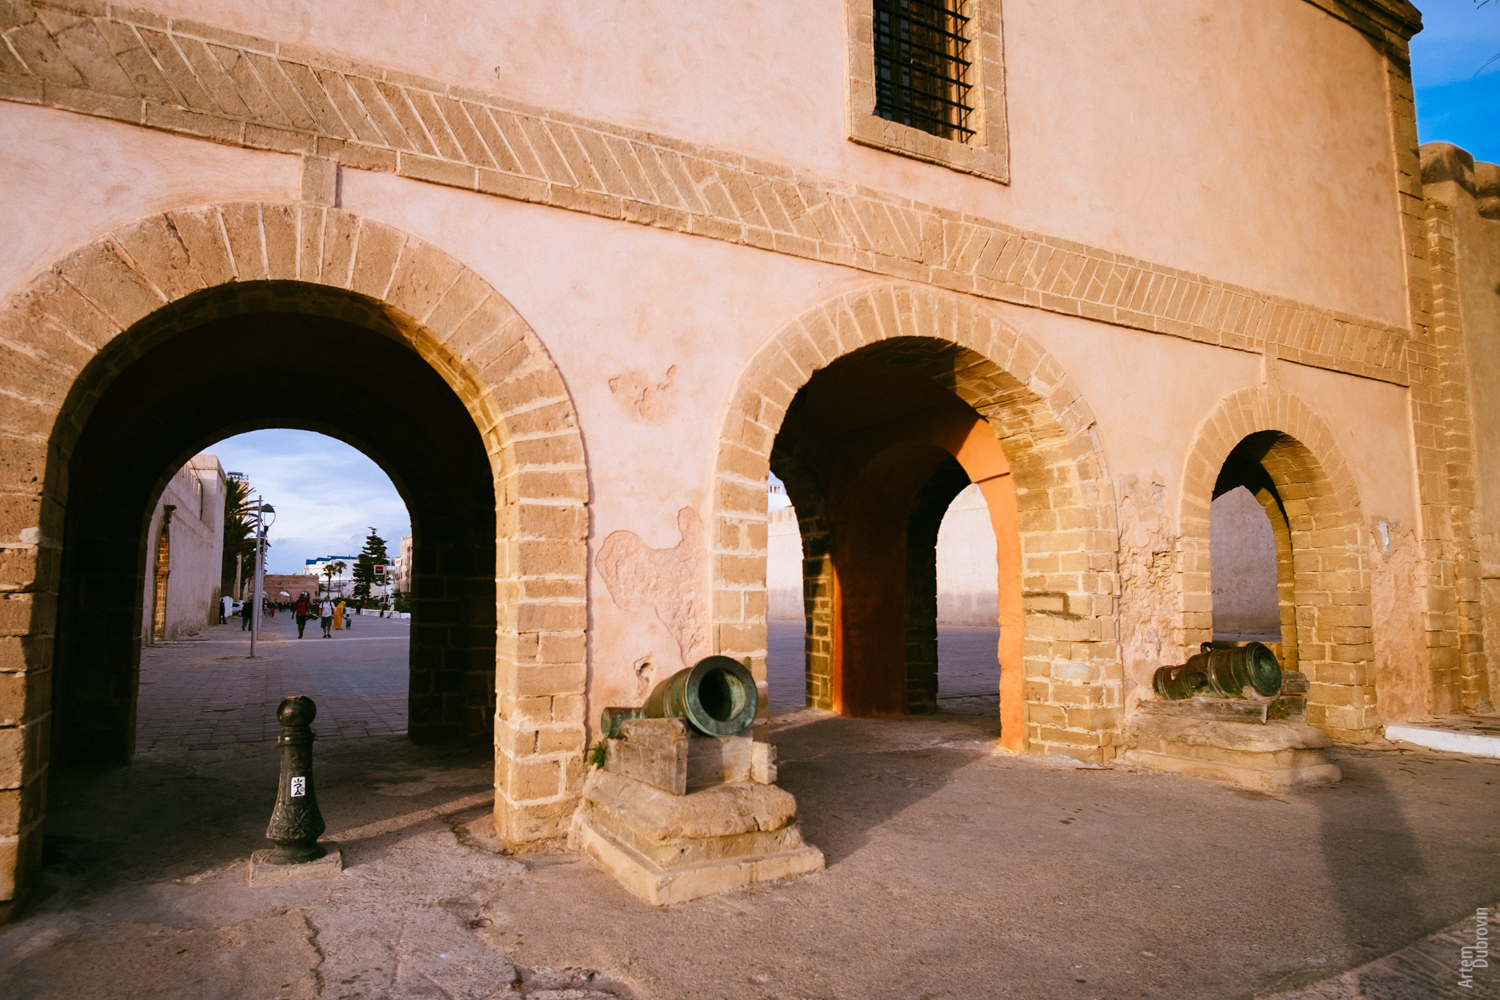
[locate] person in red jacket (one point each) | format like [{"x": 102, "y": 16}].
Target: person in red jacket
[{"x": 304, "y": 610}]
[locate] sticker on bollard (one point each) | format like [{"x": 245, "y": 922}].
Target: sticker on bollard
[{"x": 299, "y": 787}]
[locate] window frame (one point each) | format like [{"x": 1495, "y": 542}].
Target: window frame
[{"x": 986, "y": 153}]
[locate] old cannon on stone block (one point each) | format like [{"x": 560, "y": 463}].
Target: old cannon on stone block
[
  {"x": 1232, "y": 714},
  {"x": 1230, "y": 680},
  {"x": 681, "y": 802},
  {"x": 716, "y": 696},
  {"x": 1221, "y": 672}
]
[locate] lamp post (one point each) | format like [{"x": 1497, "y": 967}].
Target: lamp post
[{"x": 261, "y": 527}]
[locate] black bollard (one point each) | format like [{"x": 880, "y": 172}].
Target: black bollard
[{"x": 296, "y": 822}]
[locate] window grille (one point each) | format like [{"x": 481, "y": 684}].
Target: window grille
[{"x": 922, "y": 66}]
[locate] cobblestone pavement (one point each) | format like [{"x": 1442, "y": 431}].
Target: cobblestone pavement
[
  {"x": 203, "y": 691},
  {"x": 968, "y": 673}
]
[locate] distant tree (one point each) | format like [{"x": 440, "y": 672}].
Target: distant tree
[
  {"x": 332, "y": 570},
  {"x": 371, "y": 556},
  {"x": 239, "y": 533}
]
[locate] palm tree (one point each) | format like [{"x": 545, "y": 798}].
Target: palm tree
[
  {"x": 329, "y": 571},
  {"x": 338, "y": 571}
]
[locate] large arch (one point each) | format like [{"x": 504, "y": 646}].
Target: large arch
[
  {"x": 76, "y": 329},
  {"x": 1071, "y": 680},
  {"x": 1307, "y": 487}
]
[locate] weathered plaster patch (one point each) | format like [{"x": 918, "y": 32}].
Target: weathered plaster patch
[
  {"x": 640, "y": 398},
  {"x": 1148, "y": 594},
  {"x": 672, "y": 583},
  {"x": 1403, "y": 687}
]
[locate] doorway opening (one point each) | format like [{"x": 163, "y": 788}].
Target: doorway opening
[
  {"x": 1250, "y": 553},
  {"x": 873, "y": 455},
  {"x": 196, "y": 374},
  {"x": 968, "y": 612},
  {"x": 199, "y": 687},
  {"x": 1242, "y": 559}
]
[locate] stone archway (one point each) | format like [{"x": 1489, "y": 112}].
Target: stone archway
[
  {"x": 75, "y": 329},
  {"x": 1071, "y": 684},
  {"x": 1323, "y": 562}
]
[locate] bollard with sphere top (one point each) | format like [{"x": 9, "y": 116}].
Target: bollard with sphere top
[{"x": 296, "y": 822}]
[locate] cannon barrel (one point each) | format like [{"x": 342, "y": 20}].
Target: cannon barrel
[
  {"x": 1221, "y": 673},
  {"x": 716, "y": 696}
]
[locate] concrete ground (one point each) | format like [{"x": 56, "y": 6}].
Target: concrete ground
[{"x": 954, "y": 871}]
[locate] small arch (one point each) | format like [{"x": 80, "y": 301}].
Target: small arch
[
  {"x": 1065, "y": 696},
  {"x": 1275, "y": 444}
]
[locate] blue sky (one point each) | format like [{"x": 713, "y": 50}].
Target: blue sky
[
  {"x": 1453, "y": 104},
  {"x": 327, "y": 493}
]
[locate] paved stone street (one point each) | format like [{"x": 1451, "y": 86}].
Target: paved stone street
[
  {"x": 204, "y": 691},
  {"x": 954, "y": 870}
]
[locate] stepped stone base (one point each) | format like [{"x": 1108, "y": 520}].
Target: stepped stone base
[
  {"x": 669, "y": 849},
  {"x": 1275, "y": 755}
]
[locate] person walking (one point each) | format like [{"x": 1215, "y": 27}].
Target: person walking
[
  {"x": 303, "y": 610},
  {"x": 247, "y": 613},
  {"x": 326, "y": 613},
  {"x": 338, "y": 616},
  {"x": 226, "y": 608},
  {"x": 349, "y": 613}
]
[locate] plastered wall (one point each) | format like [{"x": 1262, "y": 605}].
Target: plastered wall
[
  {"x": 197, "y": 493},
  {"x": 648, "y": 329},
  {"x": 1174, "y": 145},
  {"x": 1199, "y": 241}
]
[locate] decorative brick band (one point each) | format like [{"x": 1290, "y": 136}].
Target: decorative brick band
[
  {"x": 1328, "y": 547},
  {"x": 68, "y": 333},
  {"x": 193, "y": 79},
  {"x": 1073, "y": 677}
]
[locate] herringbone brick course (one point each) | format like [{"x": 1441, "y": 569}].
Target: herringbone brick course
[{"x": 198, "y": 80}]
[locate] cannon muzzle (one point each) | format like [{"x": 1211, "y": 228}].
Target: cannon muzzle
[
  {"x": 716, "y": 696},
  {"x": 1221, "y": 673}
]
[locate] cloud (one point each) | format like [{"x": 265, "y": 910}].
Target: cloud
[{"x": 326, "y": 494}]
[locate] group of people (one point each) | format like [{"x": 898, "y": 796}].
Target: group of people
[{"x": 332, "y": 616}]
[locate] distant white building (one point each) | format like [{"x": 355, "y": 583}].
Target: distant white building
[{"x": 342, "y": 583}]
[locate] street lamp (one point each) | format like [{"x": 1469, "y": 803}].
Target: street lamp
[{"x": 261, "y": 527}]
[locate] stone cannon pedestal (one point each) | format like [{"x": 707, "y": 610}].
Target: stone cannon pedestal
[
  {"x": 676, "y": 816},
  {"x": 1277, "y": 754}
]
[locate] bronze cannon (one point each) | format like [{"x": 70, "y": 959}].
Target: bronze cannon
[
  {"x": 1218, "y": 672},
  {"x": 716, "y": 696}
]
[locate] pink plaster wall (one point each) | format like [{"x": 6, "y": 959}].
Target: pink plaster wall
[
  {"x": 68, "y": 179},
  {"x": 619, "y": 307},
  {"x": 1247, "y": 141},
  {"x": 1194, "y": 156}
]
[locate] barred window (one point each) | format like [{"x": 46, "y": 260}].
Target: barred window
[
  {"x": 927, "y": 81},
  {"x": 922, "y": 66}
]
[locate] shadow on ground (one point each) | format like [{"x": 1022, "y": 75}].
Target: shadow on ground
[
  {"x": 955, "y": 871},
  {"x": 842, "y": 796}
]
